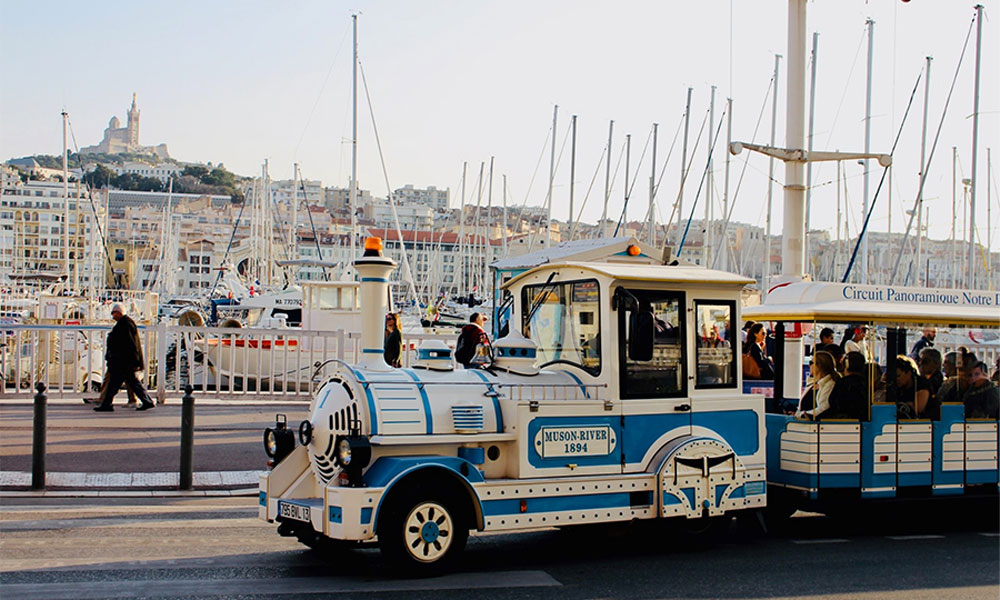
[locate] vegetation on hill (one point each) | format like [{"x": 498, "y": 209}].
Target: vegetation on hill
[{"x": 194, "y": 179}]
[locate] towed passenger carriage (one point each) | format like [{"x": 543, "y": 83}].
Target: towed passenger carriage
[
  {"x": 833, "y": 463},
  {"x": 615, "y": 397}
]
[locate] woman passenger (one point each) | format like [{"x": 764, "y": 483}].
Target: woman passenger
[
  {"x": 982, "y": 400},
  {"x": 824, "y": 376},
  {"x": 754, "y": 346},
  {"x": 912, "y": 392},
  {"x": 393, "y": 340}
]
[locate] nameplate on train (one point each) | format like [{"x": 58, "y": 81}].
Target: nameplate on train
[{"x": 555, "y": 442}]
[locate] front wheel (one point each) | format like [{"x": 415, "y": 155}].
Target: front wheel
[{"x": 423, "y": 536}]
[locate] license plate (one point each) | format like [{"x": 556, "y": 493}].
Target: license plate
[{"x": 293, "y": 511}]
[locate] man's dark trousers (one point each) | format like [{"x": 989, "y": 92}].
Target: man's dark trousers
[{"x": 116, "y": 377}]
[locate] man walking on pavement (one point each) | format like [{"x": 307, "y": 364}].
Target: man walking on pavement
[{"x": 124, "y": 359}]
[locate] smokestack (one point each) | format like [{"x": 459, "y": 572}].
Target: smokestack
[{"x": 373, "y": 269}]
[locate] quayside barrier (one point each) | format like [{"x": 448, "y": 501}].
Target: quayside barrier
[{"x": 218, "y": 362}]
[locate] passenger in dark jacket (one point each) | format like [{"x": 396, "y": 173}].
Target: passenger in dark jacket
[
  {"x": 124, "y": 359},
  {"x": 474, "y": 348},
  {"x": 849, "y": 399}
]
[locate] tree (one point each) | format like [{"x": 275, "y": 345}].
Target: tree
[
  {"x": 99, "y": 177},
  {"x": 196, "y": 171}
]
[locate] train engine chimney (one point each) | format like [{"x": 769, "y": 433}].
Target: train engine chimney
[{"x": 373, "y": 270}]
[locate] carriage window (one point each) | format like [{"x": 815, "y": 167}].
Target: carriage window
[
  {"x": 663, "y": 375},
  {"x": 716, "y": 357},
  {"x": 563, "y": 319}
]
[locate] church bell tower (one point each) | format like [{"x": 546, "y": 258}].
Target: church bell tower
[{"x": 133, "y": 125}]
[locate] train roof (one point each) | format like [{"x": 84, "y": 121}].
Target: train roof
[
  {"x": 645, "y": 272},
  {"x": 846, "y": 302}
]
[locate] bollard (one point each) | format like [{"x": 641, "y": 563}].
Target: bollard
[
  {"x": 38, "y": 440},
  {"x": 187, "y": 439}
]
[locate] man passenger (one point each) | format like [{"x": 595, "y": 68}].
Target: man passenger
[
  {"x": 982, "y": 400},
  {"x": 849, "y": 399}
]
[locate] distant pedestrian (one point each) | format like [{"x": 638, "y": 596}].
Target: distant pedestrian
[
  {"x": 124, "y": 358},
  {"x": 926, "y": 341},
  {"x": 393, "y": 342}
]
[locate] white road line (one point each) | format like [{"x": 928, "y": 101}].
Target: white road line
[
  {"x": 821, "y": 541},
  {"x": 989, "y": 533},
  {"x": 904, "y": 538},
  {"x": 274, "y": 587}
]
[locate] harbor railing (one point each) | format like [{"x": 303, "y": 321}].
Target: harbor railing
[{"x": 218, "y": 362}]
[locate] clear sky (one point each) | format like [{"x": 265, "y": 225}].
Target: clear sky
[{"x": 239, "y": 82}]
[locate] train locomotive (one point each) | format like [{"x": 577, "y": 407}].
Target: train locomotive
[{"x": 636, "y": 413}]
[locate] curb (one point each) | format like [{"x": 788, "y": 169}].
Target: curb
[{"x": 247, "y": 492}]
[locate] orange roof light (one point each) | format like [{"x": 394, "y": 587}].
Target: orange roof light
[
  {"x": 633, "y": 250},
  {"x": 373, "y": 246}
]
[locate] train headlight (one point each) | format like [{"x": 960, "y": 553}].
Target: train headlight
[
  {"x": 344, "y": 452},
  {"x": 353, "y": 455},
  {"x": 279, "y": 441}
]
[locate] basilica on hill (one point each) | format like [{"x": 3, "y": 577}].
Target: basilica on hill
[{"x": 118, "y": 139}]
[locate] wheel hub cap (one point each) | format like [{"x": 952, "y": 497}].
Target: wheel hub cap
[{"x": 427, "y": 532}]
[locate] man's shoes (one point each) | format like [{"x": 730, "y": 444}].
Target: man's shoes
[
  {"x": 146, "y": 406},
  {"x": 102, "y": 408}
]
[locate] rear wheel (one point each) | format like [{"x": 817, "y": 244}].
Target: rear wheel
[{"x": 423, "y": 534}]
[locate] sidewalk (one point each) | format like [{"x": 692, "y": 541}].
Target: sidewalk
[{"x": 130, "y": 453}]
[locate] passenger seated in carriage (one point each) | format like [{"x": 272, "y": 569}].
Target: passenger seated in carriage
[
  {"x": 823, "y": 376},
  {"x": 911, "y": 392},
  {"x": 850, "y": 396},
  {"x": 982, "y": 399}
]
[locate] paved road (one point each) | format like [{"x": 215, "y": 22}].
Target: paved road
[
  {"x": 227, "y": 437},
  {"x": 185, "y": 548}
]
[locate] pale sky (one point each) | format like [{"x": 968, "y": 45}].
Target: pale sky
[{"x": 453, "y": 81}]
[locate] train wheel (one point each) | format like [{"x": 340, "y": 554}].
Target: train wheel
[{"x": 423, "y": 535}]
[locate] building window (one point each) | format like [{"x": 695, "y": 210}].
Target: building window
[{"x": 206, "y": 260}]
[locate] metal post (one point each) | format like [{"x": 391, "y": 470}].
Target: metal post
[
  {"x": 38, "y": 440},
  {"x": 187, "y": 439},
  {"x": 607, "y": 184}
]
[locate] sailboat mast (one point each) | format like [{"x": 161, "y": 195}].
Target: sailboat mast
[
  {"x": 572, "y": 177},
  {"x": 461, "y": 235},
  {"x": 628, "y": 157},
  {"x": 65, "y": 224},
  {"x": 766, "y": 279},
  {"x": 353, "y": 189},
  {"x": 477, "y": 265},
  {"x": 651, "y": 235},
  {"x": 921, "y": 276},
  {"x": 954, "y": 161},
  {"x": 607, "y": 184},
  {"x": 868, "y": 139},
  {"x": 489, "y": 218},
  {"x": 971, "y": 279},
  {"x": 684, "y": 153},
  {"x": 292, "y": 236},
  {"x": 812, "y": 119},
  {"x": 708, "y": 193},
  {"x": 504, "y": 233},
  {"x": 725, "y": 187},
  {"x": 552, "y": 174}
]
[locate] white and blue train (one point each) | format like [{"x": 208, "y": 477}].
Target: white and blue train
[{"x": 617, "y": 396}]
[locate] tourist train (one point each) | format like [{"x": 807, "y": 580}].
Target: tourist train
[{"x": 616, "y": 396}]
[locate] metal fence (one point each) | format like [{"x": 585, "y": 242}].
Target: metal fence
[{"x": 218, "y": 362}]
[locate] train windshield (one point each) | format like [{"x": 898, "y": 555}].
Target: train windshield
[{"x": 563, "y": 319}]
